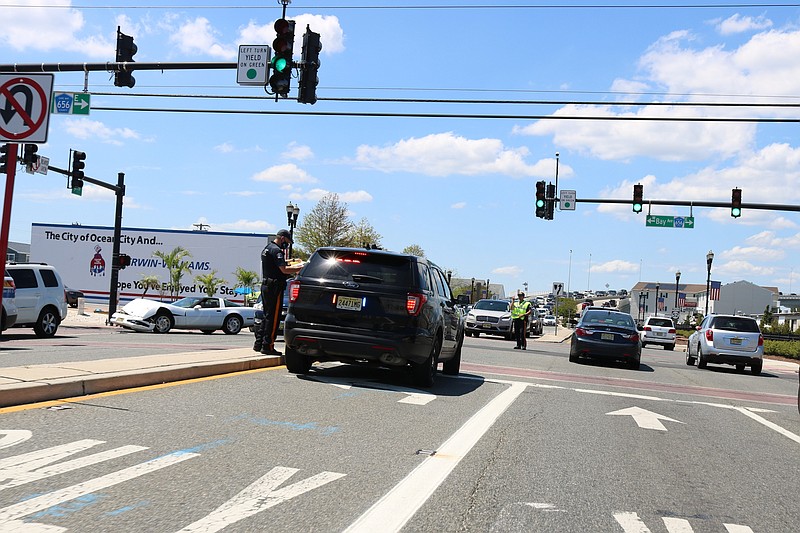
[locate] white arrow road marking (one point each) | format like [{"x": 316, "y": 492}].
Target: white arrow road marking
[
  {"x": 57, "y": 497},
  {"x": 12, "y": 437},
  {"x": 414, "y": 396},
  {"x": 260, "y": 495},
  {"x": 644, "y": 418}
]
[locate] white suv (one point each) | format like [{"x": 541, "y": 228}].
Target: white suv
[
  {"x": 9, "y": 312},
  {"x": 40, "y": 298},
  {"x": 659, "y": 330}
]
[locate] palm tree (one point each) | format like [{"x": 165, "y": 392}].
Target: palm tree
[
  {"x": 246, "y": 279},
  {"x": 177, "y": 267},
  {"x": 210, "y": 282},
  {"x": 148, "y": 282}
]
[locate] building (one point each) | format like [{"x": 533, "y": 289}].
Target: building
[{"x": 18, "y": 252}]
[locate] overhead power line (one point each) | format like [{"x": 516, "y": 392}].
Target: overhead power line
[{"x": 418, "y": 7}]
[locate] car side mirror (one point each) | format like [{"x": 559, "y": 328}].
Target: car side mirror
[{"x": 697, "y": 328}]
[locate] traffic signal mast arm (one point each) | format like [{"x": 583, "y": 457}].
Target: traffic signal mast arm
[
  {"x": 687, "y": 203},
  {"x": 87, "y": 179}
]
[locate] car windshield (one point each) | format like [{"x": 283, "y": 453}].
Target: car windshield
[
  {"x": 492, "y": 305},
  {"x": 733, "y": 323},
  {"x": 604, "y": 318}
]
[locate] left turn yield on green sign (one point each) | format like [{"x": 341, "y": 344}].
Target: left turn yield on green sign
[
  {"x": 71, "y": 103},
  {"x": 24, "y": 107}
]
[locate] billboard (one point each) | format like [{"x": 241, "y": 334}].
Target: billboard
[{"x": 83, "y": 255}]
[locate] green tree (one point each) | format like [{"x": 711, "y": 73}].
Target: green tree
[
  {"x": 767, "y": 318},
  {"x": 149, "y": 281},
  {"x": 326, "y": 225},
  {"x": 414, "y": 249},
  {"x": 363, "y": 234},
  {"x": 210, "y": 282},
  {"x": 246, "y": 279},
  {"x": 177, "y": 266}
]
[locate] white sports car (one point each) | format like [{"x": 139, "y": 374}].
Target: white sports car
[{"x": 203, "y": 313}]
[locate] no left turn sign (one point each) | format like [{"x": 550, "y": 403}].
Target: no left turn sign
[{"x": 25, "y": 107}]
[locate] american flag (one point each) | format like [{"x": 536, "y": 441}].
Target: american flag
[
  {"x": 715, "y": 288},
  {"x": 661, "y": 304},
  {"x": 681, "y": 299}
]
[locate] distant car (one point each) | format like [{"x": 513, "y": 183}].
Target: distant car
[
  {"x": 549, "y": 320},
  {"x": 606, "y": 334},
  {"x": 259, "y": 308},
  {"x": 207, "y": 314},
  {"x": 40, "y": 298},
  {"x": 727, "y": 339},
  {"x": 658, "y": 330},
  {"x": 492, "y": 317},
  {"x": 72, "y": 296},
  {"x": 9, "y": 313}
]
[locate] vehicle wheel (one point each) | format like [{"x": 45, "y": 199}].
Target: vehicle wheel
[
  {"x": 509, "y": 337},
  {"x": 477, "y": 334},
  {"x": 163, "y": 322},
  {"x": 468, "y": 334},
  {"x": 208, "y": 331},
  {"x": 425, "y": 373},
  {"x": 701, "y": 360},
  {"x": 644, "y": 344},
  {"x": 573, "y": 357},
  {"x": 296, "y": 363},
  {"x": 232, "y": 325},
  {"x": 671, "y": 347},
  {"x": 755, "y": 368},
  {"x": 634, "y": 364},
  {"x": 689, "y": 358},
  {"x": 47, "y": 323},
  {"x": 740, "y": 368},
  {"x": 452, "y": 366}
]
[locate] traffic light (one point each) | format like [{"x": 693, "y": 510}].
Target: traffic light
[
  {"x": 550, "y": 204},
  {"x": 307, "y": 94},
  {"x": 29, "y": 156},
  {"x": 638, "y": 193},
  {"x": 77, "y": 169},
  {"x": 126, "y": 49},
  {"x": 541, "y": 202},
  {"x": 736, "y": 203},
  {"x": 123, "y": 260},
  {"x": 281, "y": 62},
  {"x": 4, "y": 151}
]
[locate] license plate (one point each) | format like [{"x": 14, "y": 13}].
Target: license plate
[
  {"x": 659, "y": 333},
  {"x": 487, "y": 326},
  {"x": 348, "y": 303},
  {"x": 736, "y": 342},
  {"x": 607, "y": 336}
]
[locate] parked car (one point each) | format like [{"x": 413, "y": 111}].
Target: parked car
[
  {"x": 606, "y": 334},
  {"x": 259, "y": 309},
  {"x": 658, "y": 330},
  {"x": 9, "y": 314},
  {"x": 374, "y": 307},
  {"x": 727, "y": 339},
  {"x": 207, "y": 314},
  {"x": 492, "y": 317},
  {"x": 549, "y": 320},
  {"x": 40, "y": 298},
  {"x": 72, "y": 296}
]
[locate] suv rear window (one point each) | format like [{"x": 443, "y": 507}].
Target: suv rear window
[
  {"x": 607, "y": 318},
  {"x": 49, "y": 278},
  {"x": 361, "y": 267},
  {"x": 735, "y": 324},
  {"x": 24, "y": 278},
  {"x": 664, "y": 322}
]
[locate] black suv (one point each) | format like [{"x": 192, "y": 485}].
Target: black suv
[{"x": 357, "y": 305}]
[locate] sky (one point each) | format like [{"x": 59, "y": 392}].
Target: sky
[{"x": 461, "y": 186}]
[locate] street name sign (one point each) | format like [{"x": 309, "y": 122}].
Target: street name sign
[
  {"x": 24, "y": 107},
  {"x": 661, "y": 221},
  {"x": 71, "y": 103},
  {"x": 253, "y": 64},
  {"x": 567, "y": 200}
]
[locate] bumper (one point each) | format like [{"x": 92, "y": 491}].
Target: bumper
[
  {"x": 747, "y": 358},
  {"x": 488, "y": 328},
  {"x": 604, "y": 350},
  {"x": 323, "y": 345},
  {"x": 9, "y": 322},
  {"x": 131, "y": 322},
  {"x": 664, "y": 341}
]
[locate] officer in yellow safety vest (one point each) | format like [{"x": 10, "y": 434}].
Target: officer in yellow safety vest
[{"x": 520, "y": 313}]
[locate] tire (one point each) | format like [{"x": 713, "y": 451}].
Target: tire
[
  {"x": 671, "y": 347},
  {"x": 477, "y": 334},
  {"x": 644, "y": 344},
  {"x": 468, "y": 334},
  {"x": 634, "y": 364},
  {"x": 232, "y": 324},
  {"x": 689, "y": 360},
  {"x": 208, "y": 331},
  {"x": 424, "y": 373},
  {"x": 452, "y": 366},
  {"x": 701, "y": 360},
  {"x": 47, "y": 323},
  {"x": 163, "y": 322},
  {"x": 755, "y": 368},
  {"x": 573, "y": 358},
  {"x": 296, "y": 363},
  {"x": 740, "y": 367}
]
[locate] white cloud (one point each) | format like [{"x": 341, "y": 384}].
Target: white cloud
[
  {"x": 242, "y": 225},
  {"x": 739, "y": 24},
  {"x": 224, "y": 148},
  {"x": 763, "y": 253},
  {"x": 315, "y": 195},
  {"x": 615, "y": 266},
  {"x": 84, "y": 128},
  {"x": 198, "y": 37},
  {"x": 288, "y": 173},
  {"x": 331, "y": 33},
  {"x": 507, "y": 271},
  {"x": 300, "y": 152},
  {"x": 741, "y": 269},
  {"x": 459, "y": 205},
  {"x": 444, "y": 154}
]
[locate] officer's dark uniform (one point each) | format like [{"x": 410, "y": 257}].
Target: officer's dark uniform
[{"x": 273, "y": 283}]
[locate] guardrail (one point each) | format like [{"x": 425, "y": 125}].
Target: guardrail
[{"x": 791, "y": 338}]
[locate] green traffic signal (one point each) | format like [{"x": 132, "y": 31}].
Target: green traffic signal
[
  {"x": 279, "y": 63},
  {"x": 539, "y": 203},
  {"x": 736, "y": 212}
]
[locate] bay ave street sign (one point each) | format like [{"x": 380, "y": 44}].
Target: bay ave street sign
[
  {"x": 567, "y": 200},
  {"x": 24, "y": 106},
  {"x": 71, "y": 103},
  {"x": 660, "y": 221},
  {"x": 253, "y": 64}
]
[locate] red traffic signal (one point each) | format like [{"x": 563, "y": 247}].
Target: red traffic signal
[{"x": 123, "y": 260}]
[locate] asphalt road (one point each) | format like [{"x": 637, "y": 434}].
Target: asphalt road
[{"x": 521, "y": 441}]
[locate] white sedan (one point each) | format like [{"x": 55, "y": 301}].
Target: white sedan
[{"x": 204, "y": 313}]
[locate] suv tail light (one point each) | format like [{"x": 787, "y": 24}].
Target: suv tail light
[
  {"x": 672, "y": 330},
  {"x": 760, "y": 339},
  {"x": 414, "y": 303},
  {"x": 709, "y": 335},
  {"x": 634, "y": 337},
  {"x": 580, "y": 332},
  {"x": 294, "y": 291},
  {"x": 648, "y": 328}
]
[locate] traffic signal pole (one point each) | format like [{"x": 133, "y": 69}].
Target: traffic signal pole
[{"x": 11, "y": 171}]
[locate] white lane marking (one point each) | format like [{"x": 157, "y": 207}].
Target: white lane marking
[
  {"x": 18, "y": 526},
  {"x": 644, "y": 418},
  {"x": 631, "y": 523},
  {"x": 677, "y": 525},
  {"x": 771, "y": 425},
  {"x": 57, "y": 497},
  {"x": 736, "y": 528},
  {"x": 38, "y": 458},
  {"x": 258, "y": 496},
  {"x": 415, "y": 397},
  {"x": 394, "y": 509},
  {"x": 12, "y": 437},
  {"x": 546, "y": 507}
]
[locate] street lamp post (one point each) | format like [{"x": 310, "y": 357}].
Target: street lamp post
[
  {"x": 677, "y": 280},
  {"x": 472, "y": 292},
  {"x": 658, "y": 288},
  {"x": 709, "y": 260},
  {"x": 292, "y": 212}
]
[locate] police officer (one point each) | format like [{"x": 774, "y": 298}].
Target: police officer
[
  {"x": 520, "y": 313},
  {"x": 274, "y": 273}
]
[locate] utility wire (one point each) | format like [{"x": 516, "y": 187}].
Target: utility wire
[{"x": 427, "y": 7}]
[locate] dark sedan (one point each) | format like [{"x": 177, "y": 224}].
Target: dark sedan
[
  {"x": 606, "y": 334},
  {"x": 72, "y": 296}
]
